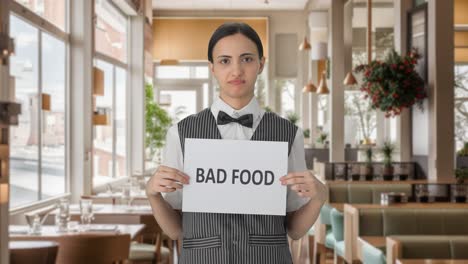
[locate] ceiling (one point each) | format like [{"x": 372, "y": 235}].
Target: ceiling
[{"x": 229, "y": 4}]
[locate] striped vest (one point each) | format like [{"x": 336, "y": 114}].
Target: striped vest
[{"x": 210, "y": 238}]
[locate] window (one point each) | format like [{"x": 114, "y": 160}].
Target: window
[
  {"x": 110, "y": 34},
  {"x": 285, "y": 90},
  {"x": 110, "y": 148},
  {"x": 110, "y": 140},
  {"x": 52, "y": 10},
  {"x": 461, "y": 105},
  {"x": 360, "y": 119},
  {"x": 182, "y": 90},
  {"x": 38, "y": 148}
]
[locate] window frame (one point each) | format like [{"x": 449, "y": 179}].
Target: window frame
[
  {"x": 42, "y": 25},
  {"x": 114, "y": 62}
]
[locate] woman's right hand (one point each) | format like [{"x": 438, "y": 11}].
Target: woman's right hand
[{"x": 166, "y": 179}]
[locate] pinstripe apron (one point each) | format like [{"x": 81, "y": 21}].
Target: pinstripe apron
[{"x": 210, "y": 238}]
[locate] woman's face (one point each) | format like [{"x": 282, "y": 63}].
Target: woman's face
[{"x": 236, "y": 65}]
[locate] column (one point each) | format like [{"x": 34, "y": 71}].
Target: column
[
  {"x": 81, "y": 85},
  {"x": 337, "y": 74},
  {"x": 441, "y": 89}
]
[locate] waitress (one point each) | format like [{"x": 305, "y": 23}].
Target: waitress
[{"x": 235, "y": 55}]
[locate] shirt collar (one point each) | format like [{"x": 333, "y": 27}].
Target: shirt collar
[{"x": 251, "y": 108}]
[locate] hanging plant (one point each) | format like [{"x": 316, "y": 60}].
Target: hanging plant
[{"x": 393, "y": 84}]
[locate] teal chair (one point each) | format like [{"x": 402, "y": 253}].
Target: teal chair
[{"x": 337, "y": 226}]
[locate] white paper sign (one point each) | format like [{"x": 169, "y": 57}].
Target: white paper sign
[{"x": 235, "y": 176}]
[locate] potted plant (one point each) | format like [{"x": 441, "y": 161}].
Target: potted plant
[
  {"x": 367, "y": 169},
  {"x": 387, "y": 150},
  {"x": 462, "y": 156},
  {"x": 393, "y": 84},
  {"x": 459, "y": 189},
  {"x": 292, "y": 117},
  {"x": 157, "y": 124},
  {"x": 322, "y": 139}
]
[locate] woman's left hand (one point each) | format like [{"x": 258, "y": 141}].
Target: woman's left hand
[{"x": 305, "y": 184}]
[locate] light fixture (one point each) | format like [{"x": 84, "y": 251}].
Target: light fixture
[
  {"x": 98, "y": 80},
  {"x": 323, "y": 88},
  {"x": 309, "y": 88},
  {"x": 350, "y": 79},
  {"x": 45, "y": 102},
  {"x": 320, "y": 53},
  {"x": 305, "y": 45},
  {"x": 169, "y": 62},
  {"x": 7, "y": 47}
]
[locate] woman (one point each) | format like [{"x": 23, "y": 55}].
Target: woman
[{"x": 235, "y": 55}]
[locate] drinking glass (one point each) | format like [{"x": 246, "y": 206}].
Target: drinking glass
[
  {"x": 63, "y": 215},
  {"x": 86, "y": 212}
]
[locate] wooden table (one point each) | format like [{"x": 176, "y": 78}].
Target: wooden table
[
  {"x": 448, "y": 181},
  {"x": 376, "y": 241},
  {"x": 432, "y": 261},
  {"x": 351, "y": 220},
  {"x": 112, "y": 214},
  {"x": 20, "y": 232}
]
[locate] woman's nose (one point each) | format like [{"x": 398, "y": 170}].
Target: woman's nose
[{"x": 237, "y": 69}]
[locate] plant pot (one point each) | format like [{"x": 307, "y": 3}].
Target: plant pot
[
  {"x": 423, "y": 199},
  {"x": 387, "y": 173},
  {"x": 459, "y": 193},
  {"x": 368, "y": 172},
  {"x": 369, "y": 177},
  {"x": 355, "y": 177},
  {"x": 403, "y": 177}
]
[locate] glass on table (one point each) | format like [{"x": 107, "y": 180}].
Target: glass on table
[
  {"x": 126, "y": 198},
  {"x": 63, "y": 215},
  {"x": 86, "y": 212}
]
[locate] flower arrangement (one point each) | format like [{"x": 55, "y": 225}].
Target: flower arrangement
[{"x": 393, "y": 84}]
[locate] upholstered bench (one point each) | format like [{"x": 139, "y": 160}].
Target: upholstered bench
[
  {"x": 416, "y": 222},
  {"x": 426, "y": 247},
  {"x": 358, "y": 193}
]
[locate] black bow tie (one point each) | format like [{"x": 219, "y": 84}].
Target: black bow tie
[{"x": 245, "y": 120}]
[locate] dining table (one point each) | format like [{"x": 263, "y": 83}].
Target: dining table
[{"x": 22, "y": 232}]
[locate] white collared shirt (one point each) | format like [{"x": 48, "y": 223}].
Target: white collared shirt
[{"x": 172, "y": 153}]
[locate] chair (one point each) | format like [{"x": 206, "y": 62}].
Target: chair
[
  {"x": 96, "y": 248},
  {"x": 154, "y": 245},
  {"x": 43, "y": 252}
]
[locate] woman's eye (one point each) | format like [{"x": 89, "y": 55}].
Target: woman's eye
[
  {"x": 248, "y": 59},
  {"x": 224, "y": 61}
]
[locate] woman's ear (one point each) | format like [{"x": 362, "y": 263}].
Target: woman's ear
[
  {"x": 211, "y": 66},
  {"x": 262, "y": 65}
]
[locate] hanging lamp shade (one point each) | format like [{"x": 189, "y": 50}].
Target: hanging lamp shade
[
  {"x": 323, "y": 88},
  {"x": 305, "y": 45},
  {"x": 350, "y": 79},
  {"x": 309, "y": 88}
]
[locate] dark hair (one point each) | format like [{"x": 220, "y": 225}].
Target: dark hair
[{"x": 231, "y": 28}]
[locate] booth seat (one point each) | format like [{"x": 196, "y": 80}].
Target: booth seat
[{"x": 427, "y": 247}]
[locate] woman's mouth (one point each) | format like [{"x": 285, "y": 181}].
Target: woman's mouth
[{"x": 236, "y": 82}]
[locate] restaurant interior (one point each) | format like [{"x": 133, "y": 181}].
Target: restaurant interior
[{"x": 88, "y": 90}]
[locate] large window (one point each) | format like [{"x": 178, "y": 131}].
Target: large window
[
  {"x": 110, "y": 139},
  {"x": 110, "y": 146},
  {"x": 52, "y": 10},
  {"x": 110, "y": 34},
  {"x": 461, "y": 105},
  {"x": 285, "y": 96},
  {"x": 360, "y": 119},
  {"x": 38, "y": 149}
]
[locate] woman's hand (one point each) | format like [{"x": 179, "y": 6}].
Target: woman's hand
[
  {"x": 166, "y": 179},
  {"x": 305, "y": 184}
]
